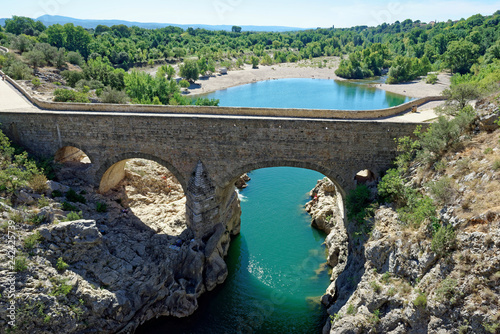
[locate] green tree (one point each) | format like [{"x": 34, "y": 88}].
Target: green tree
[
  {"x": 56, "y": 35},
  {"x": 461, "y": 94},
  {"x": 236, "y": 29},
  {"x": 35, "y": 59},
  {"x": 23, "y": 25},
  {"x": 189, "y": 70},
  {"x": 460, "y": 56},
  {"x": 255, "y": 62}
]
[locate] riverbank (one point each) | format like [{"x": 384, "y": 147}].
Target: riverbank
[
  {"x": 247, "y": 74},
  {"x": 309, "y": 69}
]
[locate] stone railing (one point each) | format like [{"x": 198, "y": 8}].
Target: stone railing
[{"x": 235, "y": 111}]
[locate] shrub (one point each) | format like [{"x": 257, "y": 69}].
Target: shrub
[
  {"x": 72, "y": 196},
  {"x": 60, "y": 287},
  {"x": 431, "y": 79},
  {"x": 446, "y": 291},
  {"x": 386, "y": 277},
  {"x": 496, "y": 164},
  {"x": 72, "y": 77},
  {"x": 101, "y": 207},
  {"x": 351, "y": 309},
  {"x": 67, "y": 95},
  {"x": 32, "y": 240},
  {"x": 184, "y": 83},
  {"x": 72, "y": 216},
  {"x": 491, "y": 327},
  {"x": 443, "y": 240},
  {"x": 61, "y": 265},
  {"x": 75, "y": 58},
  {"x": 43, "y": 202},
  {"x": 35, "y": 219},
  {"x": 375, "y": 286},
  {"x": 392, "y": 188},
  {"x": 38, "y": 183},
  {"x": 443, "y": 190},
  {"x": 68, "y": 207},
  {"x": 20, "y": 264},
  {"x": 36, "y": 82},
  {"x": 357, "y": 203},
  {"x": 421, "y": 300},
  {"x": 418, "y": 210},
  {"x": 56, "y": 193},
  {"x": 110, "y": 95}
]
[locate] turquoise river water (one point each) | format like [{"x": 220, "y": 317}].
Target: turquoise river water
[{"x": 275, "y": 265}]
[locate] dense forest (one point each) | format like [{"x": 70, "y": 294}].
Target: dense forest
[{"x": 404, "y": 50}]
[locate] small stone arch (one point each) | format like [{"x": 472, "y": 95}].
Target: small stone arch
[
  {"x": 71, "y": 154},
  {"x": 365, "y": 176},
  {"x": 112, "y": 171}
]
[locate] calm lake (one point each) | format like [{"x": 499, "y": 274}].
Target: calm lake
[{"x": 307, "y": 94}]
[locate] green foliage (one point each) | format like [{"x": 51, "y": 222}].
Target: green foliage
[
  {"x": 68, "y": 207},
  {"x": 32, "y": 240},
  {"x": 60, "y": 288},
  {"x": 491, "y": 327},
  {"x": 184, "y": 83},
  {"x": 431, "y": 79},
  {"x": 20, "y": 264},
  {"x": 23, "y": 25},
  {"x": 16, "y": 170},
  {"x": 35, "y": 59},
  {"x": 72, "y": 216},
  {"x": 447, "y": 291},
  {"x": 357, "y": 203},
  {"x": 101, "y": 207},
  {"x": 202, "y": 101},
  {"x": 189, "y": 70},
  {"x": 444, "y": 135},
  {"x": 100, "y": 69},
  {"x": 461, "y": 55},
  {"x": 392, "y": 188},
  {"x": 75, "y": 58},
  {"x": 255, "y": 61},
  {"x": 418, "y": 209},
  {"x": 72, "y": 196},
  {"x": 61, "y": 265},
  {"x": 351, "y": 310},
  {"x": 386, "y": 277},
  {"x": 421, "y": 300},
  {"x": 72, "y": 77},
  {"x": 406, "y": 69},
  {"x": 67, "y": 95},
  {"x": 35, "y": 219},
  {"x": 43, "y": 202},
  {"x": 375, "y": 286},
  {"x": 111, "y": 95},
  {"x": 146, "y": 89},
  {"x": 461, "y": 94},
  {"x": 56, "y": 193},
  {"x": 375, "y": 317},
  {"x": 443, "y": 190},
  {"x": 36, "y": 82},
  {"x": 14, "y": 67},
  {"x": 444, "y": 240}
]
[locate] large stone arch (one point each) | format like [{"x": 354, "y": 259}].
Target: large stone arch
[
  {"x": 342, "y": 183},
  {"x": 112, "y": 171}
]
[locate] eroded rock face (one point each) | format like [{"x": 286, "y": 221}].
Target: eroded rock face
[
  {"x": 124, "y": 266},
  {"x": 326, "y": 210}
]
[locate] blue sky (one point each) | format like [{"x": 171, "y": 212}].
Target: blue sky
[{"x": 307, "y": 14}]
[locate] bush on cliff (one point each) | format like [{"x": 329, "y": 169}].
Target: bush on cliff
[{"x": 67, "y": 95}]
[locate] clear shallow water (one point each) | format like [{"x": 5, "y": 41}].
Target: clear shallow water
[
  {"x": 274, "y": 284},
  {"x": 308, "y": 94}
]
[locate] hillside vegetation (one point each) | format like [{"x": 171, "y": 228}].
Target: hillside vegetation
[{"x": 405, "y": 49}]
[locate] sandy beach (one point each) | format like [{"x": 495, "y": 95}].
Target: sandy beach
[{"x": 307, "y": 69}]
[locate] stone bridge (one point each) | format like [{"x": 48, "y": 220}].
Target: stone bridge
[{"x": 206, "y": 152}]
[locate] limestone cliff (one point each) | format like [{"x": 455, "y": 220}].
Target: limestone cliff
[
  {"x": 396, "y": 281},
  {"x": 132, "y": 261}
]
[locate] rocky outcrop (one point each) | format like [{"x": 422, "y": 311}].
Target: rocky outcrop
[
  {"x": 116, "y": 269},
  {"x": 241, "y": 183},
  {"x": 327, "y": 212},
  {"x": 404, "y": 279}
]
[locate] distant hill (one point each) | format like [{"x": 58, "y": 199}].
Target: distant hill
[{"x": 54, "y": 19}]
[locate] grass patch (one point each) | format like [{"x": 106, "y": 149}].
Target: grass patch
[{"x": 32, "y": 240}]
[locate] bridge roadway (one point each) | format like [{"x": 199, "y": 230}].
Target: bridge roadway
[{"x": 206, "y": 153}]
